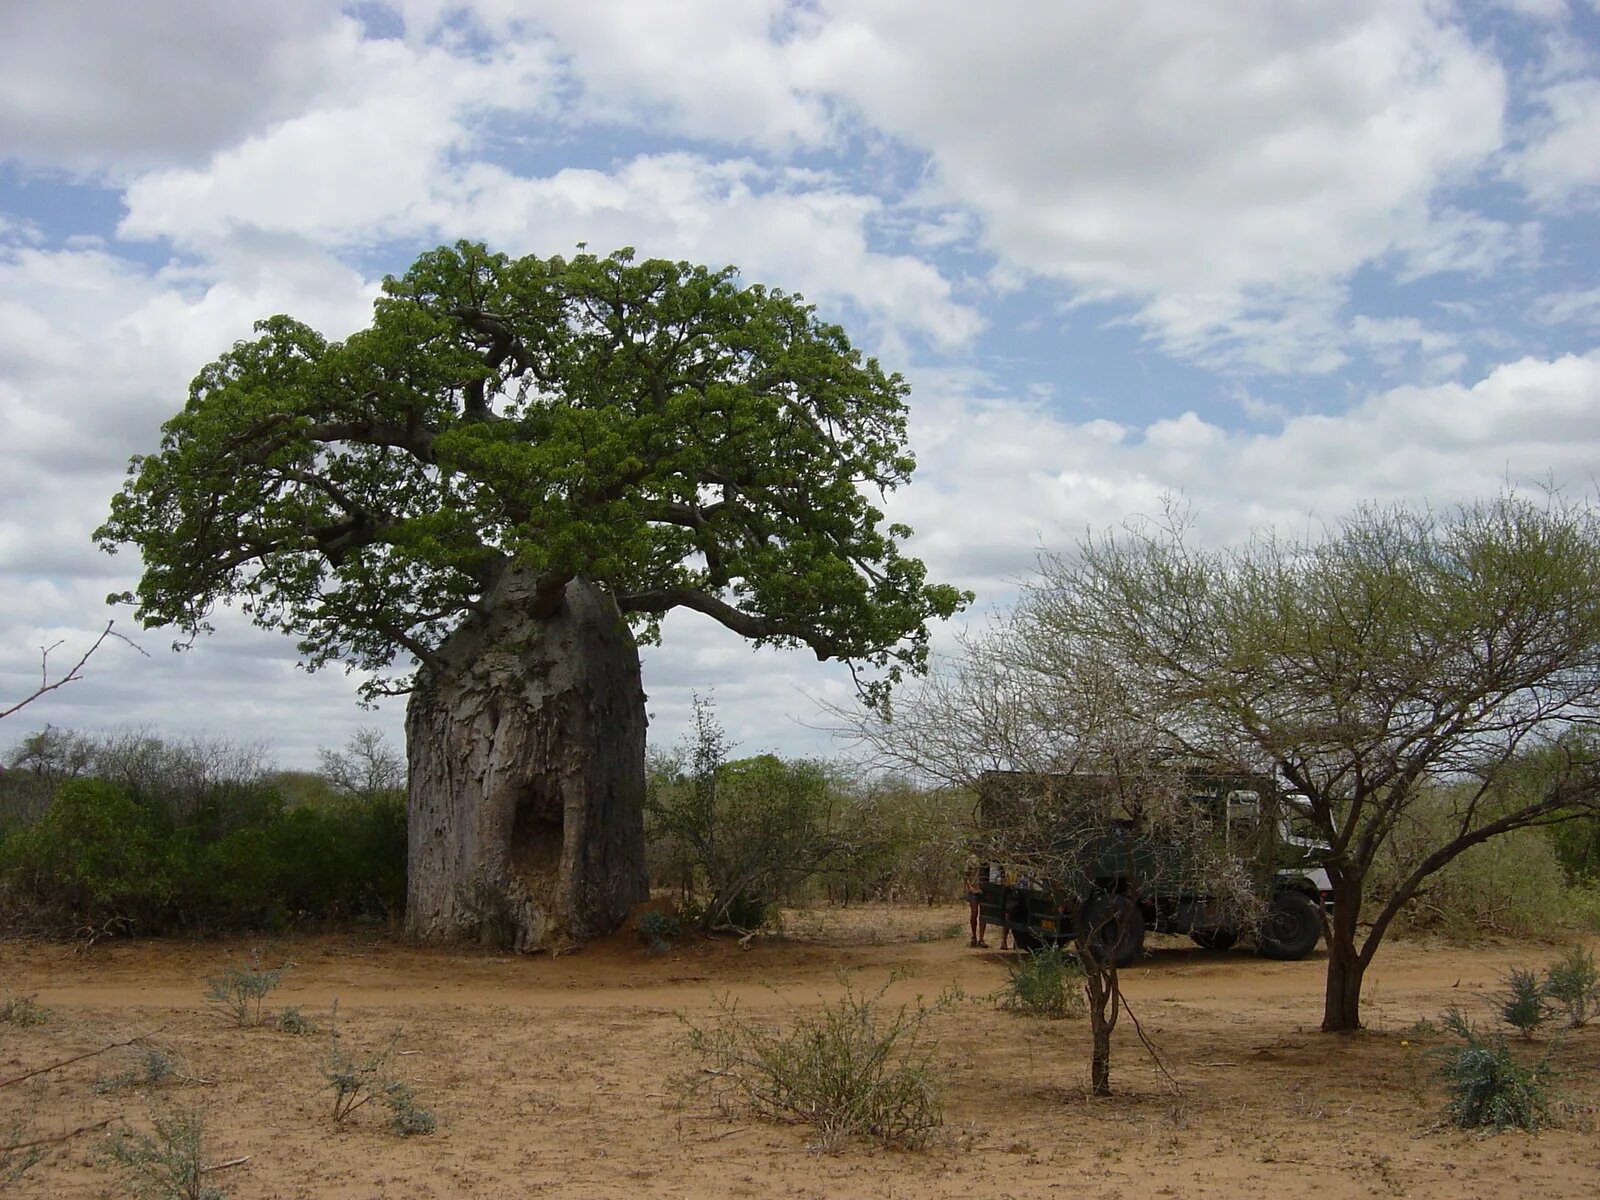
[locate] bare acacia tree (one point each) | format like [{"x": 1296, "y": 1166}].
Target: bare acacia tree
[
  {"x": 1403, "y": 651},
  {"x": 367, "y": 767},
  {"x": 1068, "y": 783}
]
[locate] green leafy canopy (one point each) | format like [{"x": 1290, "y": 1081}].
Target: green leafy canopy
[{"x": 678, "y": 439}]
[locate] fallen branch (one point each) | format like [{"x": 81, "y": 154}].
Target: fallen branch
[
  {"x": 1149, "y": 1046},
  {"x": 67, "y": 1062},
  {"x": 54, "y": 1138}
]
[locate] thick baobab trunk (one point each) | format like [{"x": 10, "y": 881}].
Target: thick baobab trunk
[{"x": 526, "y": 749}]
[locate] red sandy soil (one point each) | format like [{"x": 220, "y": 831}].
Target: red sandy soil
[{"x": 554, "y": 1076}]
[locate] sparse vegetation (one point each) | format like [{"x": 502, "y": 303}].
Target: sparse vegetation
[
  {"x": 856, "y": 1067},
  {"x": 17, "y": 1155},
  {"x": 356, "y": 1080},
  {"x": 292, "y": 1020},
  {"x": 240, "y": 991},
  {"x": 658, "y": 930},
  {"x": 1045, "y": 982},
  {"x": 406, "y": 1116},
  {"x": 1487, "y": 1087},
  {"x": 1523, "y": 1004},
  {"x": 167, "y": 1165},
  {"x": 148, "y": 1066},
  {"x": 22, "y": 1011},
  {"x": 1573, "y": 983}
]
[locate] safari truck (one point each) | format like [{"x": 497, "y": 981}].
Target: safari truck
[{"x": 1126, "y": 882}]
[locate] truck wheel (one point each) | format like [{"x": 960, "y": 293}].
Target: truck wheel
[
  {"x": 1115, "y": 927},
  {"x": 1292, "y": 927},
  {"x": 1025, "y": 939},
  {"x": 1214, "y": 939}
]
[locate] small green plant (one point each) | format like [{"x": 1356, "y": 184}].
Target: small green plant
[
  {"x": 855, "y": 1067},
  {"x": 17, "y": 1153},
  {"x": 292, "y": 1020},
  {"x": 168, "y": 1165},
  {"x": 239, "y": 991},
  {"x": 357, "y": 1080},
  {"x": 1574, "y": 984},
  {"x": 1487, "y": 1087},
  {"x": 1047, "y": 982},
  {"x": 1523, "y": 1005},
  {"x": 23, "y": 1011},
  {"x": 406, "y": 1116},
  {"x": 952, "y": 930},
  {"x": 149, "y": 1066},
  {"x": 658, "y": 929}
]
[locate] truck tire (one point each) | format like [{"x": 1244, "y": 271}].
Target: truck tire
[
  {"x": 1114, "y": 927},
  {"x": 1292, "y": 928},
  {"x": 1214, "y": 939}
]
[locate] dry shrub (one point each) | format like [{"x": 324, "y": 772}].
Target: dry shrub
[
  {"x": 1512, "y": 884},
  {"x": 856, "y": 1067}
]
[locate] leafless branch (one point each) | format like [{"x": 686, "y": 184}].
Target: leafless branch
[{"x": 72, "y": 676}]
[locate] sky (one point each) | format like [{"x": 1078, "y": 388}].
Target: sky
[{"x": 1268, "y": 258}]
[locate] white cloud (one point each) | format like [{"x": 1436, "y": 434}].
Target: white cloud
[
  {"x": 1225, "y": 161},
  {"x": 814, "y": 237},
  {"x": 710, "y": 69},
  {"x": 1000, "y": 477},
  {"x": 1581, "y": 307},
  {"x": 1229, "y": 179},
  {"x": 86, "y": 85},
  {"x": 1561, "y": 161},
  {"x": 373, "y": 163}
]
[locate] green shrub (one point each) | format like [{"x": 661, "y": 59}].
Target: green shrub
[
  {"x": 658, "y": 929},
  {"x": 101, "y": 858},
  {"x": 240, "y": 991},
  {"x": 1573, "y": 983},
  {"x": 167, "y": 1166},
  {"x": 1487, "y": 1087},
  {"x": 855, "y": 1067},
  {"x": 356, "y": 1080},
  {"x": 1523, "y": 1004},
  {"x": 736, "y": 838},
  {"x": 94, "y": 856},
  {"x": 1046, "y": 982},
  {"x": 148, "y": 1066},
  {"x": 23, "y": 1011},
  {"x": 1513, "y": 884},
  {"x": 406, "y": 1116},
  {"x": 1577, "y": 845},
  {"x": 293, "y": 1021}
]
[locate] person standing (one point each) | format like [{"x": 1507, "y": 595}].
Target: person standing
[{"x": 971, "y": 882}]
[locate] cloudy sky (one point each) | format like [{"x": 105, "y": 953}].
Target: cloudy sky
[{"x": 1271, "y": 256}]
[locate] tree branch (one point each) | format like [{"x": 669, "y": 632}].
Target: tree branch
[
  {"x": 661, "y": 600},
  {"x": 73, "y": 675}
]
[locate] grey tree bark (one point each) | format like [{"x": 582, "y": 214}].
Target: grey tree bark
[{"x": 525, "y": 742}]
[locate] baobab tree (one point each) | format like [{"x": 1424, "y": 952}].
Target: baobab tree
[{"x": 489, "y": 496}]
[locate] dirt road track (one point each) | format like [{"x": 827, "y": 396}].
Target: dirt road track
[{"x": 553, "y": 1076}]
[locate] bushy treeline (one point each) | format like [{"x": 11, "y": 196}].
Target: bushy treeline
[
  {"x": 737, "y": 838},
  {"x": 1527, "y": 883},
  {"x": 133, "y": 833}
]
